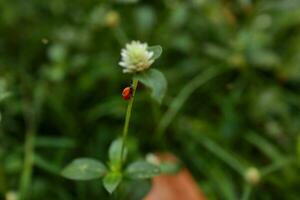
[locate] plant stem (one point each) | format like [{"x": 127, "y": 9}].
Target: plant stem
[
  {"x": 2, "y": 180},
  {"x": 127, "y": 118},
  {"x": 246, "y": 192},
  {"x": 28, "y": 164},
  {"x": 277, "y": 166},
  {"x": 32, "y": 106},
  {"x": 222, "y": 154}
]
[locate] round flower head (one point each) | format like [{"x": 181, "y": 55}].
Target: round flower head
[
  {"x": 252, "y": 175},
  {"x": 136, "y": 57}
]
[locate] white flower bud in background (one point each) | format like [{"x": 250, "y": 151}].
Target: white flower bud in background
[
  {"x": 153, "y": 159},
  {"x": 136, "y": 57},
  {"x": 252, "y": 175},
  {"x": 45, "y": 41},
  {"x": 112, "y": 19},
  {"x": 11, "y": 195}
]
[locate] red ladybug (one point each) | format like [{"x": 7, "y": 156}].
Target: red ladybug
[{"x": 127, "y": 93}]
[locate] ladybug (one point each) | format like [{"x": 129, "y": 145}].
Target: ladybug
[{"x": 127, "y": 93}]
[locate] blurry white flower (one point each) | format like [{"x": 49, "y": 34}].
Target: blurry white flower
[
  {"x": 11, "y": 195},
  {"x": 252, "y": 175},
  {"x": 112, "y": 19},
  {"x": 136, "y": 57},
  {"x": 153, "y": 159}
]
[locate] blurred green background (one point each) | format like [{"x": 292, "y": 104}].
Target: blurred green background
[{"x": 233, "y": 101}]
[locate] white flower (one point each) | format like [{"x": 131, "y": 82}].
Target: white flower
[
  {"x": 136, "y": 57},
  {"x": 252, "y": 175},
  {"x": 11, "y": 195}
]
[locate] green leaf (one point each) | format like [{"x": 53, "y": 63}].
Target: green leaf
[
  {"x": 111, "y": 181},
  {"x": 115, "y": 151},
  {"x": 142, "y": 170},
  {"x": 46, "y": 164},
  {"x": 266, "y": 147},
  {"x": 4, "y": 95},
  {"x": 169, "y": 168},
  {"x": 137, "y": 189},
  {"x": 157, "y": 50},
  {"x": 54, "y": 142},
  {"x": 84, "y": 169},
  {"x": 156, "y": 81},
  {"x": 226, "y": 156}
]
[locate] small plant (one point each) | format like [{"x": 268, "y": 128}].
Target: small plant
[{"x": 136, "y": 60}]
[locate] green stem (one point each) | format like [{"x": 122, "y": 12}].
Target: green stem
[
  {"x": 32, "y": 102},
  {"x": 127, "y": 118},
  {"x": 222, "y": 154},
  {"x": 277, "y": 166},
  {"x": 28, "y": 164},
  {"x": 2, "y": 180},
  {"x": 246, "y": 192}
]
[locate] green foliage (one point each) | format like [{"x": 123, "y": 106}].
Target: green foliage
[
  {"x": 169, "y": 168},
  {"x": 233, "y": 98},
  {"x": 88, "y": 169},
  {"x": 142, "y": 170},
  {"x": 137, "y": 189},
  {"x": 111, "y": 181},
  {"x": 84, "y": 169},
  {"x": 115, "y": 153},
  {"x": 157, "y": 51},
  {"x": 126, "y": 1},
  {"x": 298, "y": 148},
  {"x": 156, "y": 81}
]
